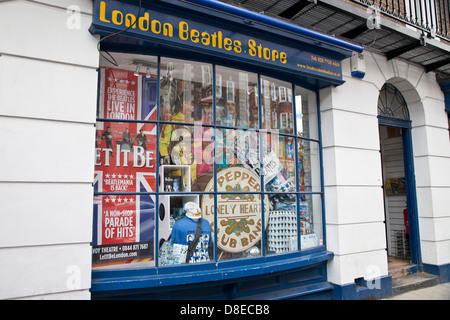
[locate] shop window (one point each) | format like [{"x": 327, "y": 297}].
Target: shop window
[{"x": 242, "y": 148}]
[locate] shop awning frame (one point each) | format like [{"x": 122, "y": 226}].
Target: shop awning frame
[{"x": 260, "y": 18}]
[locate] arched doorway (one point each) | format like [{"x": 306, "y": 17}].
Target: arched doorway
[{"x": 400, "y": 202}]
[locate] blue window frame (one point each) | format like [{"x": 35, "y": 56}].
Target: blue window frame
[{"x": 281, "y": 217}]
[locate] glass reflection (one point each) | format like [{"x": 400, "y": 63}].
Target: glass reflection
[
  {"x": 277, "y": 105},
  {"x": 306, "y": 113},
  {"x": 309, "y": 166},
  {"x": 236, "y": 98},
  {"x": 237, "y": 148},
  {"x": 186, "y": 91}
]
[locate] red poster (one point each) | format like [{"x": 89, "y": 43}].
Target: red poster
[
  {"x": 120, "y": 95},
  {"x": 119, "y": 219},
  {"x": 126, "y": 156}
]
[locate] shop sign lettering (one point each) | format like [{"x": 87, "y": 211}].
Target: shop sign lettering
[{"x": 158, "y": 26}]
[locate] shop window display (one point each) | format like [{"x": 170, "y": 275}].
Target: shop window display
[
  {"x": 279, "y": 163},
  {"x": 230, "y": 162}
]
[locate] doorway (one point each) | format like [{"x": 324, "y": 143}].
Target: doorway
[
  {"x": 400, "y": 202},
  {"x": 395, "y": 201}
]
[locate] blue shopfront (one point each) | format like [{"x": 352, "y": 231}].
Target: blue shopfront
[{"x": 208, "y": 106}]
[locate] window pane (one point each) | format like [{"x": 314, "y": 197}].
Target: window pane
[
  {"x": 178, "y": 219},
  {"x": 125, "y": 157},
  {"x": 282, "y": 228},
  {"x": 276, "y": 102},
  {"x": 279, "y": 163},
  {"x": 236, "y": 98},
  {"x": 237, "y": 148},
  {"x": 239, "y": 222},
  {"x": 311, "y": 227},
  {"x": 203, "y": 150},
  {"x": 186, "y": 91},
  {"x": 306, "y": 113},
  {"x": 126, "y": 95},
  {"x": 309, "y": 166},
  {"x": 124, "y": 230},
  {"x": 239, "y": 213},
  {"x": 186, "y": 154}
]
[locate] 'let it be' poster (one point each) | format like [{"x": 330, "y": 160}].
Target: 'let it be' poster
[{"x": 125, "y": 162}]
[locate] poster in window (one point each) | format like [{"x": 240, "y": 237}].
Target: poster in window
[
  {"x": 125, "y": 163},
  {"x": 239, "y": 216},
  {"x": 118, "y": 219},
  {"x": 125, "y": 96},
  {"x": 124, "y": 227},
  {"x": 125, "y": 153}
]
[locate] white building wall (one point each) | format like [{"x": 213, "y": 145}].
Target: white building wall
[
  {"x": 432, "y": 166},
  {"x": 352, "y": 178},
  {"x": 48, "y": 90},
  {"x": 352, "y": 168}
]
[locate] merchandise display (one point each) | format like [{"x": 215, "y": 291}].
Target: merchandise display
[
  {"x": 174, "y": 178},
  {"x": 172, "y": 253},
  {"x": 244, "y": 154},
  {"x": 190, "y": 240},
  {"x": 282, "y": 231}
]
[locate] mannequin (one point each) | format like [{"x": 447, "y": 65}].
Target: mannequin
[{"x": 184, "y": 230}]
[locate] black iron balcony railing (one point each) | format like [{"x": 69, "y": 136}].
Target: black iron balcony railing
[{"x": 430, "y": 16}]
